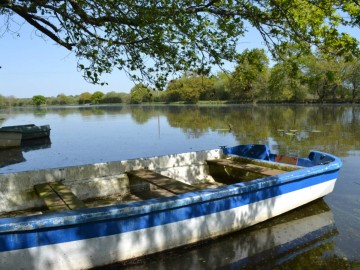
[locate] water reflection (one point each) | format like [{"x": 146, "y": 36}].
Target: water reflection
[
  {"x": 35, "y": 144},
  {"x": 334, "y": 129},
  {"x": 15, "y": 155},
  {"x": 99, "y": 133},
  {"x": 10, "y": 156},
  {"x": 280, "y": 243}
]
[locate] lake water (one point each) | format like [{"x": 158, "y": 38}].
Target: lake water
[{"x": 321, "y": 235}]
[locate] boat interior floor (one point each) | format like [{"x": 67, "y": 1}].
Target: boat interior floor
[{"x": 145, "y": 184}]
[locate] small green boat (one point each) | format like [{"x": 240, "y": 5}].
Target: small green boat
[{"x": 29, "y": 131}]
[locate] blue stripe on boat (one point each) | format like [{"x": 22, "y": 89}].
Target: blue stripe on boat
[{"x": 26, "y": 232}]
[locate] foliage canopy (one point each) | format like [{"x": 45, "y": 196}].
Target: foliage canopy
[
  {"x": 140, "y": 93},
  {"x": 152, "y": 39},
  {"x": 250, "y": 74},
  {"x": 97, "y": 97},
  {"x": 85, "y": 98},
  {"x": 38, "y": 100}
]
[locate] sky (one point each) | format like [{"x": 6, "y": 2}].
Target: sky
[{"x": 32, "y": 66}]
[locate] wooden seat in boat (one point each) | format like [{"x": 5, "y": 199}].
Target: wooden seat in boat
[
  {"x": 58, "y": 197},
  {"x": 161, "y": 181}
]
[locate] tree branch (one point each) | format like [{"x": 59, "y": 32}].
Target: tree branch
[{"x": 32, "y": 19}]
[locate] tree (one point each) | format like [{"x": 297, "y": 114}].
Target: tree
[
  {"x": 172, "y": 93},
  {"x": 112, "y": 97},
  {"x": 97, "y": 97},
  {"x": 352, "y": 78},
  {"x": 8, "y": 101},
  {"x": 222, "y": 86},
  {"x": 286, "y": 82},
  {"x": 140, "y": 93},
  {"x": 250, "y": 75},
  {"x": 125, "y": 97},
  {"x": 190, "y": 88},
  {"x": 2, "y": 101},
  {"x": 38, "y": 100},
  {"x": 324, "y": 76},
  {"x": 179, "y": 35},
  {"x": 85, "y": 98},
  {"x": 62, "y": 99}
]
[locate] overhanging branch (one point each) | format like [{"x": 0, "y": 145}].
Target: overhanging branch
[{"x": 32, "y": 19}]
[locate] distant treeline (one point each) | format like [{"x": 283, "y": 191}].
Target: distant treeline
[
  {"x": 296, "y": 78},
  {"x": 62, "y": 99}
]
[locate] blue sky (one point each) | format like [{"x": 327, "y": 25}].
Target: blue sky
[{"x": 34, "y": 66}]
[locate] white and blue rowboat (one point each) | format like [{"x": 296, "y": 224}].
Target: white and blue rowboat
[{"x": 85, "y": 216}]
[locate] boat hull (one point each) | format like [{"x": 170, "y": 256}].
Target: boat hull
[
  {"x": 10, "y": 139},
  {"x": 118, "y": 240},
  {"x": 29, "y": 132},
  {"x": 86, "y": 238}
]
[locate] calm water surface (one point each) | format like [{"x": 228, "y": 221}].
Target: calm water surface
[{"x": 321, "y": 235}]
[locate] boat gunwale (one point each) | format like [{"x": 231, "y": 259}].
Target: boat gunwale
[
  {"x": 28, "y": 131},
  {"x": 131, "y": 209}
]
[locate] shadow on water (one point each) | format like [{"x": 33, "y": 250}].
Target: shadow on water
[
  {"x": 15, "y": 155},
  {"x": 35, "y": 144},
  {"x": 11, "y": 156}
]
